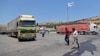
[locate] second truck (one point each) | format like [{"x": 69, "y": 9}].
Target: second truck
[
  {"x": 82, "y": 28},
  {"x": 22, "y": 27}
]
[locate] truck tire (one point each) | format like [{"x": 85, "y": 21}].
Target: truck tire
[
  {"x": 94, "y": 33},
  {"x": 81, "y": 33},
  {"x": 84, "y": 32},
  {"x": 9, "y": 35},
  {"x": 33, "y": 39},
  {"x": 19, "y": 39},
  {"x": 57, "y": 32}
]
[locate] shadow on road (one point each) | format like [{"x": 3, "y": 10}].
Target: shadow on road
[
  {"x": 84, "y": 46},
  {"x": 27, "y": 40},
  {"x": 24, "y": 40}
]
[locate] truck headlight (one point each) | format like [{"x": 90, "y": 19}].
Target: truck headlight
[{"x": 22, "y": 34}]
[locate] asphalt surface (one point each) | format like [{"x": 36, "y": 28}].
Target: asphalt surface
[{"x": 50, "y": 45}]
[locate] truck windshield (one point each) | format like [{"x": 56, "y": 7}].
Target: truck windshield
[{"x": 26, "y": 23}]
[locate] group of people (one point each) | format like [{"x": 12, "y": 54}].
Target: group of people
[
  {"x": 67, "y": 35},
  {"x": 74, "y": 36}
]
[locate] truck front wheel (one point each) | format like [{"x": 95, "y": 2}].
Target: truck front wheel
[
  {"x": 19, "y": 39},
  {"x": 33, "y": 39}
]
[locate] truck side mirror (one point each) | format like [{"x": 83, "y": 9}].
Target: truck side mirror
[
  {"x": 17, "y": 24},
  {"x": 37, "y": 24}
]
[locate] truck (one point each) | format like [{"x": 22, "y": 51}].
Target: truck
[
  {"x": 3, "y": 29},
  {"x": 82, "y": 28},
  {"x": 22, "y": 27}
]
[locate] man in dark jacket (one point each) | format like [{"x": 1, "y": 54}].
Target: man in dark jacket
[{"x": 67, "y": 34}]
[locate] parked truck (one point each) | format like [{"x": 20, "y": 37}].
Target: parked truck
[
  {"x": 82, "y": 28},
  {"x": 22, "y": 27},
  {"x": 3, "y": 29}
]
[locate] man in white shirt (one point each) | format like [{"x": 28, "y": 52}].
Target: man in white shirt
[{"x": 75, "y": 36}]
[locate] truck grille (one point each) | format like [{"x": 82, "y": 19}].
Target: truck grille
[
  {"x": 28, "y": 35},
  {"x": 28, "y": 31}
]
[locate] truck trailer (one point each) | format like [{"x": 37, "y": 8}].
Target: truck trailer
[
  {"x": 82, "y": 28},
  {"x": 22, "y": 27}
]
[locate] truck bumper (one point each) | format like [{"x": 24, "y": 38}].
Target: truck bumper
[{"x": 27, "y": 36}]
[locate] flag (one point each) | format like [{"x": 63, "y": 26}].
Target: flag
[{"x": 70, "y": 4}]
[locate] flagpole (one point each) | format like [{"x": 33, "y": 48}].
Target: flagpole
[
  {"x": 69, "y": 5},
  {"x": 67, "y": 14}
]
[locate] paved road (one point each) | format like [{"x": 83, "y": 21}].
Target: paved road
[{"x": 51, "y": 45}]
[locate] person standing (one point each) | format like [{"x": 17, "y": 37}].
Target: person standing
[
  {"x": 67, "y": 34},
  {"x": 75, "y": 36},
  {"x": 42, "y": 31}
]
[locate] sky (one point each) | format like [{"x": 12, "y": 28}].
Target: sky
[{"x": 49, "y": 10}]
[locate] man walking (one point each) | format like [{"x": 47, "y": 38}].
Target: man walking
[
  {"x": 75, "y": 36},
  {"x": 43, "y": 31},
  {"x": 67, "y": 33}
]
